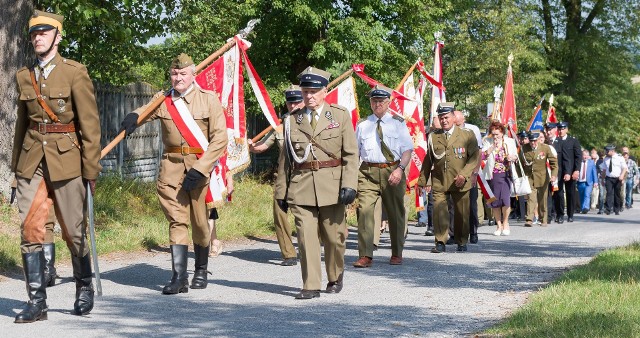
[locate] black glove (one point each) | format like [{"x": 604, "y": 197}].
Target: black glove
[
  {"x": 347, "y": 196},
  {"x": 129, "y": 124},
  {"x": 13, "y": 195},
  {"x": 284, "y": 206},
  {"x": 192, "y": 179}
]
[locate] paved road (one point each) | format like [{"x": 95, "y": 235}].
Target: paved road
[{"x": 250, "y": 295}]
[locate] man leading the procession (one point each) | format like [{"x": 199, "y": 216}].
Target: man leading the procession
[
  {"x": 447, "y": 170},
  {"x": 194, "y": 137},
  {"x": 317, "y": 179},
  {"x": 385, "y": 148},
  {"x": 293, "y": 96},
  {"x": 56, "y": 150}
]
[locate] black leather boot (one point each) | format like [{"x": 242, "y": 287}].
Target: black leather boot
[
  {"x": 50, "y": 274},
  {"x": 84, "y": 288},
  {"x": 36, "y": 308},
  {"x": 199, "y": 280},
  {"x": 180, "y": 279}
]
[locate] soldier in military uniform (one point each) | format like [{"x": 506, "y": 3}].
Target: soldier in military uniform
[
  {"x": 318, "y": 178},
  {"x": 534, "y": 156},
  {"x": 56, "y": 150},
  {"x": 385, "y": 148},
  {"x": 447, "y": 170},
  {"x": 293, "y": 96},
  {"x": 194, "y": 137}
]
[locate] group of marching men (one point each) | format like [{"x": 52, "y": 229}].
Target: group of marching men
[{"x": 323, "y": 166}]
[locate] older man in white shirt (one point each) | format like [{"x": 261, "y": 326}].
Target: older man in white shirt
[{"x": 614, "y": 169}]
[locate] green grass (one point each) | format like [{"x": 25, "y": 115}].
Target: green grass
[{"x": 600, "y": 299}]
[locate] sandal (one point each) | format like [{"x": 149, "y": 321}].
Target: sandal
[{"x": 215, "y": 248}]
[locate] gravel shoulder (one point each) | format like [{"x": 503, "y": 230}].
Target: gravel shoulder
[{"x": 251, "y": 295}]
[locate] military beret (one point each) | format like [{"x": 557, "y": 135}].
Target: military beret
[
  {"x": 43, "y": 21},
  {"x": 609, "y": 147},
  {"x": 293, "y": 94},
  {"x": 445, "y": 107},
  {"x": 522, "y": 134},
  {"x": 314, "y": 78},
  {"x": 379, "y": 91},
  {"x": 533, "y": 136},
  {"x": 181, "y": 61},
  {"x": 551, "y": 125},
  {"x": 563, "y": 125}
]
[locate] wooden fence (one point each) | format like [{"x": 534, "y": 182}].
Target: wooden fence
[{"x": 139, "y": 154}]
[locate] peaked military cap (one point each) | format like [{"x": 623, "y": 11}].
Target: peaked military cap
[
  {"x": 42, "y": 21},
  {"x": 293, "y": 94},
  {"x": 379, "y": 91},
  {"x": 551, "y": 125},
  {"x": 563, "y": 125},
  {"x": 314, "y": 78},
  {"x": 445, "y": 107},
  {"x": 533, "y": 136},
  {"x": 181, "y": 61},
  {"x": 609, "y": 147},
  {"x": 522, "y": 134}
]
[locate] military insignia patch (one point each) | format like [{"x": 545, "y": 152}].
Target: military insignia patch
[
  {"x": 299, "y": 118},
  {"x": 328, "y": 115},
  {"x": 62, "y": 104}
]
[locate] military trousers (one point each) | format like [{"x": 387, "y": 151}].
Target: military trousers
[
  {"x": 460, "y": 216},
  {"x": 537, "y": 201},
  {"x": 312, "y": 223},
  {"x": 283, "y": 232},
  {"x": 182, "y": 209},
  {"x": 373, "y": 184},
  {"x": 68, "y": 197}
]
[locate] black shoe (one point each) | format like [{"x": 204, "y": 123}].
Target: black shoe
[
  {"x": 36, "y": 308},
  {"x": 451, "y": 241},
  {"x": 180, "y": 280},
  {"x": 570, "y": 219},
  {"x": 335, "y": 287},
  {"x": 584, "y": 211},
  {"x": 617, "y": 213},
  {"x": 50, "y": 274},
  {"x": 289, "y": 261},
  {"x": 473, "y": 238},
  {"x": 421, "y": 225},
  {"x": 440, "y": 247},
  {"x": 607, "y": 212},
  {"x": 429, "y": 232},
  {"x": 560, "y": 220},
  {"x": 462, "y": 247},
  {"x": 308, "y": 294},
  {"x": 84, "y": 288},
  {"x": 599, "y": 212},
  {"x": 199, "y": 280}
]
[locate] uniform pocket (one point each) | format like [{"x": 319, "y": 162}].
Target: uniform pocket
[
  {"x": 28, "y": 143},
  {"x": 27, "y": 94},
  {"x": 64, "y": 145}
]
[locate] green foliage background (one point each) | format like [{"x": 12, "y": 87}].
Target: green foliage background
[{"x": 585, "y": 52}]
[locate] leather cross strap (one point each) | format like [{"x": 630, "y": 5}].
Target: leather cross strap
[
  {"x": 43, "y": 104},
  {"x": 315, "y": 165},
  {"x": 184, "y": 150},
  {"x": 313, "y": 141}
]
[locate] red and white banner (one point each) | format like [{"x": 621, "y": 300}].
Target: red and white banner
[
  {"x": 344, "y": 95},
  {"x": 509, "y": 106},
  {"x": 359, "y": 70},
  {"x": 437, "y": 93},
  {"x": 551, "y": 113}
]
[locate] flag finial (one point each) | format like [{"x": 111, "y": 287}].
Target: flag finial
[
  {"x": 437, "y": 35},
  {"x": 510, "y": 58}
]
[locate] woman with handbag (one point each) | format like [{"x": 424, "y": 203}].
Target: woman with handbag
[{"x": 499, "y": 151}]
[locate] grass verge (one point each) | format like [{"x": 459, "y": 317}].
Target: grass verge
[{"x": 599, "y": 299}]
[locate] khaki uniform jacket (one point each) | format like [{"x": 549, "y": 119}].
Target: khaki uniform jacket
[
  {"x": 68, "y": 91},
  {"x": 534, "y": 163},
  {"x": 209, "y": 116},
  {"x": 334, "y": 132},
  {"x": 459, "y": 157}
]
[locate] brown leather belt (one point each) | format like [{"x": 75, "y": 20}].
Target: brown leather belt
[
  {"x": 381, "y": 165},
  {"x": 44, "y": 128},
  {"x": 315, "y": 165},
  {"x": 184, "y": 150}
]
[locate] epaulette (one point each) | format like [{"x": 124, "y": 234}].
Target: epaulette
[
  {"x": 295, "y": 111},
  {"x": 72, "y": 63},
  {"x": 361, "y": 120},
  {"x": 339, "y": 107},
  {"x": 398, "y": 117},
  {"x": 437, "y": 131}
]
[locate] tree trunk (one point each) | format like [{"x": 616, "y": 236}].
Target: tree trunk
[{"x": 14, "y": 44}]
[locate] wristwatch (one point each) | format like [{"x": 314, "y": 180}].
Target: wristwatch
[{"x": 401, "y": 166}]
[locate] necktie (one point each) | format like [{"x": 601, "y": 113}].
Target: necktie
[
  {"x": 610, "y": 165},
  {"x": 314, "y": 120},
  {"x": 446, "y": 135},
  {"x": 385, "y": 150},
  {"x": 584, "y": 171}
]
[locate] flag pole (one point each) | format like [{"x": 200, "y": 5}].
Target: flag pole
[
  {"x": 337, "y": 80},
  {"x": 202, "y": 65},
  {"x": 406, "y": 76}
]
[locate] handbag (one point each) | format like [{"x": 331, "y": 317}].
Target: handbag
[{"x": 519, "y": 185}]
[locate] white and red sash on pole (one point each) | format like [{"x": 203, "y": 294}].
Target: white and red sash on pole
[
  {"x": 194, "y": 136},
  {"x": 484, "y": 186},
  {"x": 344, "y": 95},
  {"x": 437, "y": 93}
]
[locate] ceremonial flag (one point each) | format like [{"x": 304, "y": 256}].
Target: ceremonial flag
[
  {"x": 344, "y": 95},
  {"x": 551, "y": 113},
  {"x": 536, "y": 120},
  {"x": 509, "y": 104},
  {"x": 437, "y": 93},
  {"x": 359, "y": 70}
]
